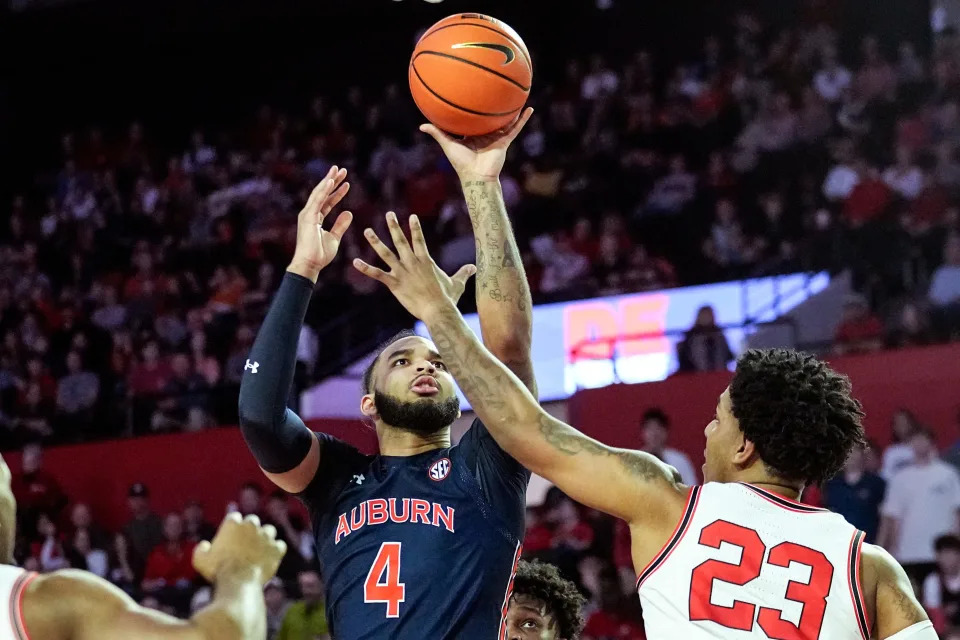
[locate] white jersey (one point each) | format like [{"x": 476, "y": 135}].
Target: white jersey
[
  {"x": 13, "y": 581},
  {"x": 747, "y": 563}
]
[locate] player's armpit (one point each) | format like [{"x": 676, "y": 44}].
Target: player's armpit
[
  {"x": 888, "y": 590},
  {"x": 632, "y": 485},
  {"x": 299, "y": 478}
]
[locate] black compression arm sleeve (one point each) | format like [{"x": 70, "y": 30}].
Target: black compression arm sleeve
[{"x": 276, "y": 435}]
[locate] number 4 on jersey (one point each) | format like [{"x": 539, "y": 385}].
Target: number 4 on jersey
[{"x": 383, "y": 581}]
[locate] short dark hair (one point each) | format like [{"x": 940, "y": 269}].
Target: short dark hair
[
  {"x": 656, "y": 414},
  {"x": 947, "y": 541},
  {"x": 926, "y": 432},
  {"x": 797, "y": 411},
  {"x": 544, "y": 583},
  {"x": 252, "y": 486},
  {"x": 368, "y": 372}
]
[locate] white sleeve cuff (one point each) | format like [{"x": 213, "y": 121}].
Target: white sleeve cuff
[{"x": 920, "y": 631}]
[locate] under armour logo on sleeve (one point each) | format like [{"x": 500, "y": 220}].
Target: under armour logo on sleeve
[
  {"x": 252, "y": 366},
  {"x": 358, "y": 478}
]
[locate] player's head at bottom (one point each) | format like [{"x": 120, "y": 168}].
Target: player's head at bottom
[
  {"x": 787, "y": 418},
  {"x": 543, "y": 606},
  {"x": 408, "y": 387}
]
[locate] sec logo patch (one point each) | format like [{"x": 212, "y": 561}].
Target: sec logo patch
[{"x": 440, "y": 470}]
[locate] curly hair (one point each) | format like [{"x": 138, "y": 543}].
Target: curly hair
[
  {"x": 367, "y": 385},
  {"x": 543, "y": 583},
  {"x": 797, "y": 411}
]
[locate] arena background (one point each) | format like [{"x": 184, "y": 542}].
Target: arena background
[{"x": 178, "y": 65}]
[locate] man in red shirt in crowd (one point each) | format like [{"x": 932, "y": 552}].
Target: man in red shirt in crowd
[
  {"x": 35, "y": 489},
  {"x": 170, "y": 569},
  {"x": 617, "y": 617},
  {"x": 869, "y": 199}
]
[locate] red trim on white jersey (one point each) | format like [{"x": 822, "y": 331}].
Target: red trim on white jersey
[
  {"x": 16, "y": 605},
  {"x": 674, "y": 538},
  {"x": 502, "y": 634},
  {"x": 853, "y": 582},
  {"x": 783, "y": 501}
]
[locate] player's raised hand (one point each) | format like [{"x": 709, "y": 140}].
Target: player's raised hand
[
  {"x": 240, "y": 541},
  {"x": 478, "y": 157},
  {"x": 413, "y": 277},
  {"x": 316, "y": 247}
]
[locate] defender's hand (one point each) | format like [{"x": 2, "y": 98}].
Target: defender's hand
[
  {"x": 478, "y": 157},
  {"x": 414, "y": 278},
  {"x": 240, "y": 543},
  {"x": 316, "y": 248}
]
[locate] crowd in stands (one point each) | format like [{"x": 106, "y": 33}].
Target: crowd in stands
[{"x": 134, "y": 273}]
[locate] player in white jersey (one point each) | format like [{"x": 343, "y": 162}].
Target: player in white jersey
[
  {"x": 735, "y": 558},
  {"x": 76, "y": 605}
]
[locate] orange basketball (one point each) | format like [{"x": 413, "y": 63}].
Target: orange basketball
[{"x": 470, "y": 74}]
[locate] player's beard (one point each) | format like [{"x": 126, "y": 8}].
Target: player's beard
[{"x": 423, "y": 417}]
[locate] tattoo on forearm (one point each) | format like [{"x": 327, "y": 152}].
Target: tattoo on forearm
[
  {"x": 571, "y": 442},
  {"x": 496, "y": 250}
]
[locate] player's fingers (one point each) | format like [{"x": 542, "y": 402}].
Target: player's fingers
[
  {"x": 521, "y": 121},
  {"x": 333, "y": 200},
  {"x": 269, "y": 531},
  {"x": 281, "y": 547},
  {"x": 252, "y": 520},
  {"x": 382, "y": 250},
  {"x": 233, "y": 517},
  {"x": 400, "y": 242},
  {"x": 436, "y": 133},
  {"x": 463, "y": 274},
  {"x": 200, "y": 552},
  {"x": 416, "y": 236},
  {"x": 317, "y": 196},
  {"x": 341, "y": 225},
  {"x": 371, "y": 272}
]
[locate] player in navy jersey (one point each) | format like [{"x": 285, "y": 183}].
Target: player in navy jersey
[{"x": 420, "y": 541}]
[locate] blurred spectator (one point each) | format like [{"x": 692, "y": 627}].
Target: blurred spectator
[
  {"x": 49, "y": 547},
  {"x": 944, "y": 291},
  {"x": 674, "y": 191},
  {"x": 911, "y": 328},
  {"x": 275, "y": 596},
  {"x": 83, "y": 555},
  {"x": 615, "y": 616},
  {"x": 859, "y": 330},
  {"x": 832, "y": 79},
  {"x": 81, "y": 519},
  {"x": 704, "y": 347},
  {"x": 122, "y": 573},
  {"x": 655, "y": 427},
  {"x": 306, "y": 619},
  {"x": 857, "y": 494},
  {"x": 169, "y": 573},
  {"x": 904, "y": 177},
  {"x": 952, "y": 455},
  {"x": 195, "y": 526},
  {"x": 868, "y": 199},
  {"x": 921, "y": 504},
  {"x": 151, "y": 374},
  {"x": 941, "y": 589},
  {"x": 250, "y": 501},
  {"x": 562, "y": 266},
  {"x": 899, "y": 454},
  {"x": 292, "y": 530},
  {"x": 35, "y": 489},
  {"x": 77, "y": 391},
  {"x": 144, "y": 531}
]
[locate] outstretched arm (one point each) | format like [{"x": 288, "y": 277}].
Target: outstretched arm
[
  {"x": 631, "y": 485},
  {"x": 503, "y": 293},
  {"x": 80, "y": 606},
  {"x": 285, "y": 449}
]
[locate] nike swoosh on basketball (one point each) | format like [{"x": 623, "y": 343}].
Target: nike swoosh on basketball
[{"x": 502, "y": 48}]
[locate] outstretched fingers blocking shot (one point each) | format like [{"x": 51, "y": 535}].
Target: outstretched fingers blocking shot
[
  {"x": 316, "y": 247},
  {"x": 412, "y": 276}
]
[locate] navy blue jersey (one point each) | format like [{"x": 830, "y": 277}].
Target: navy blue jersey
[{"x": 415, "y": 547}]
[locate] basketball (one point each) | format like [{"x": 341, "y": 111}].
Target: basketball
[{"x": 470, "y": 74}]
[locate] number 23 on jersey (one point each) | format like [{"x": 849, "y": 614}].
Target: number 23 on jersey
[{"x": 812, "y": 595}]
